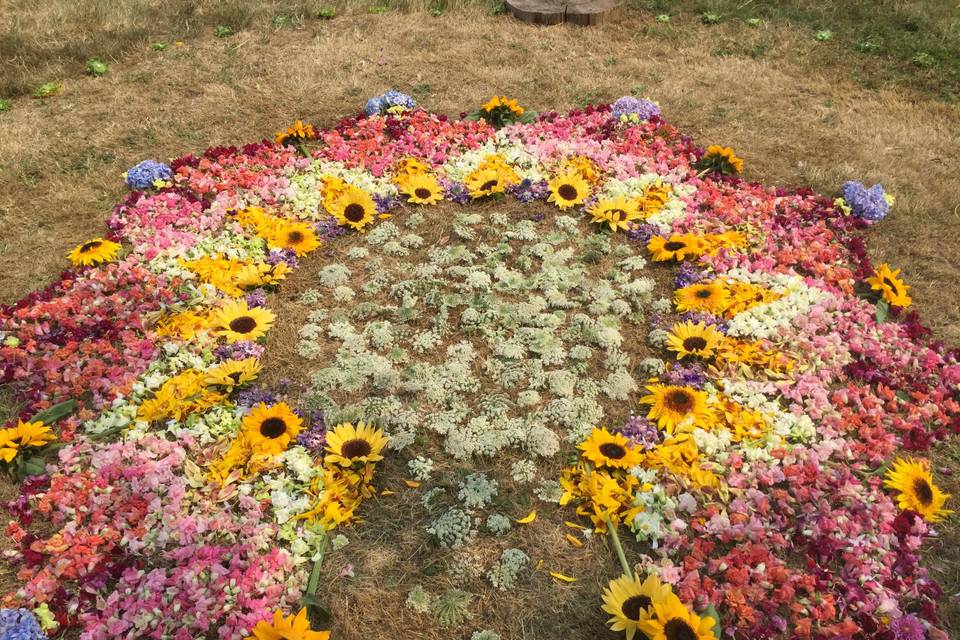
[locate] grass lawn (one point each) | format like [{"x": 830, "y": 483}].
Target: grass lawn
[{"x": 874, "y": 101}]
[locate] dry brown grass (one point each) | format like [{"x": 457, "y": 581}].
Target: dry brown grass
[{"x": 793, "y": 120}]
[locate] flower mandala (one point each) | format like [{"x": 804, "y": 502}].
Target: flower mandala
[{"x": 484, "y": 297}]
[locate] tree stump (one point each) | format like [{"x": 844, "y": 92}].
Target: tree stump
[{"x": 582, "y": 12}]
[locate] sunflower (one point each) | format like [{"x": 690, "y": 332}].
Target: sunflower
[
  {"x": 671, "y": 620},
  {"x": 409, "y": 167},
  {"x": 94, "y": 252},
  {"x": 616, "y": 212},
  {"x": 233, "y": 372},
  {"x": 353, "y": 208},
  {"x": 298, "y": 237},
  {"x": 891, "y": 287},
  {"x": 347, "y": 444},
  {"x": 676, "y": 247},
  {"x": 917, "y": 491},
  {"x": 421, "y": 188},
  {"x": 259, "y": 274},
  {"x": 722, "y": 159},
  {"x": 711, "y": 297},
  {"x": 298, "y": 132},
  {"x": 630, "y": 601},
  {"x": 486, "y": 181},
  {"x": 287, "y": 628},
  {"x": 236, "y": 322},
  {"x": 504, "y": 103},
  {"x": 607, "y": 449},
  {"x": 568, "y": 189},
  {"x": 673, "y": 406},
  {"x": 9, "y": 447},
  {"x": 33, "y": 434},
  {"x": 270, "y": 429},
  {"x": 689, "y": 339}
]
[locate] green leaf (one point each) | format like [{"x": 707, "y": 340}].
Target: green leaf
[
  {"x": 903, "y": 395},
  {"x": 712, "y": 612},
  {"x": 52, "y": 414},
  {"x": 883, "y": 310},
  {"x": 30, "y": 467}
]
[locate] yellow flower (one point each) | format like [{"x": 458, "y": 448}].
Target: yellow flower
[
  {"x": 568, "y": 189},
  {"x": 184, "y": 325},
  {"x": 673, "y": 406},
  {"x": 287, "y": 628},
  {"x": 654, "y": 197},
  {"x": 94, "y": 252},
  {"x": 347, "y": 444},
  {"x": 630, "y": 601},
  {"x": 671, "y": 620},
  {"x": 9, "y": 447},
  {"x": 917, "y": 492},
  {"x": 724, "y": 157},
  {"x": 353, "y": 208},
  {"x": 409, "y": 167},
  {"x": 33, "y": 434},
  {"x": 504, "y": 103},
  {"x": 269, "y": 430},
  {"x": 711, "y": 297},
  {"x": 233, "y": 372},
  {"x": 235, "y": 321},
  {"x": 616, "y": 212},
  {"x": 421, "y": 188},
  {"x": 676, "y": 247},
  {"x": 744, "y": 295},
  {"x": 583, "y": 166},
  {"x": 261, "y": 274},
  {"x": 298, "y": 131},
  {"x": 890, "y": 286},
  {"x": 487, "y": 180},
  {"x": 299, "y": 237},
  {"x": 688, "y": 339},
  {"x": 606, "y": 449}
]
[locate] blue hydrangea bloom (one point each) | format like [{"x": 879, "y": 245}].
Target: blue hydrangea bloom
[
  {"x": 628, "y": 105},
  {"x": 20, "y": 624},
  {"x": 381, "y": 103},
  {"x": 870, "y": 204},
  {"x": 143, "y": 175}
]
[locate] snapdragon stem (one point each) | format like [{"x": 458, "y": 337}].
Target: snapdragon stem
[
  {"x": 615, "y": 538},
  {"x": 314, "y": 581}
]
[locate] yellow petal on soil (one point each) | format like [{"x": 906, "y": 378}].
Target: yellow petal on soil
[
  {"x": 561, "y": 577},
  {"x": 539, "y": 564},
  {"x": 527, "y": 520},
  {"x": 575, "y": 541},
  {"x": 387, "y": 492},
  {"x": 572, "y": 525},
  {"x": 413, "y": 484}
]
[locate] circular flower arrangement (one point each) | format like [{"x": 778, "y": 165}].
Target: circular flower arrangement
[{"x": 731, "y": 415}]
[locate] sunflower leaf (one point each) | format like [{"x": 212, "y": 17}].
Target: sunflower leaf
[
  {"x": 883, "y": 310},
  {"x": 30, "y": 467},
  {"x": 52, "y": 414}
]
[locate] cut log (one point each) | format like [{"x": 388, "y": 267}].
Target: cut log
[{"x": 582, "y": 12}]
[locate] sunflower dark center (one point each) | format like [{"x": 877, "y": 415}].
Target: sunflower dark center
[
  {"x": 235, "y": 376},
  {"x": 489, "y": 184},
  {"x": 354, "y": 212},
  {"x": 356, "y": 448},
  {"x": 694, "y": 343},
  {"x": 632, "y": 607},
  {"x": 680, "y": 401},
  {"x": 273, "y": 428},
  {"x": 567, "y": 192},
  {"x": 924, "y": 493},
  {"x": 295, "y": 237},
  {"x": 893, "y": 285},
  {"x": 422, "y": 192},
  {"x": 612, "y": 450},
  {"x": 243, "y": 324},
  {"x": 90, "y": 246},
  {"x": 679, "y": 629},
  {"x": 675, "y": 246},
  {"x": 703, "y": 294}
]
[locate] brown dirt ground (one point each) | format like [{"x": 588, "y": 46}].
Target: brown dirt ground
[{"x": 795, "y": 123}]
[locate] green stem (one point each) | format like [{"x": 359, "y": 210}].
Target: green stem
[
  {"x": 615, "y": 538},
  {"x": 318, "y": 563}
]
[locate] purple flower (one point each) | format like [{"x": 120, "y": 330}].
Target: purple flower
[
  {"x": 641, "y": 431},
  {"x": 379, "y": 104},
  {"x": 143, "y": 175},
  {"x": 20, "y": 624},
  {"x": 686, "y": 375},
  {"x": 688, "y": 274},
  {"x": 255, "y": 395},
  {"x": 870, "y": 204},
  {"x": 628, "y": 105},
  {"x": 328, "y": 229},
  {"x": 527, "y": 191},
  {"x": 239, "y": 350},
  {"x": 384, "y": 203},
  {"x": 256, "y": 298},
  {"x": 704, "y": 317},
  {"x": 277, "y": 256},
  {"x": 457, "y": 192},
  {"x": 642, "y": 232},
  {"x": 314, "y": 437},
  {"x": 908, "y": 627}
]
